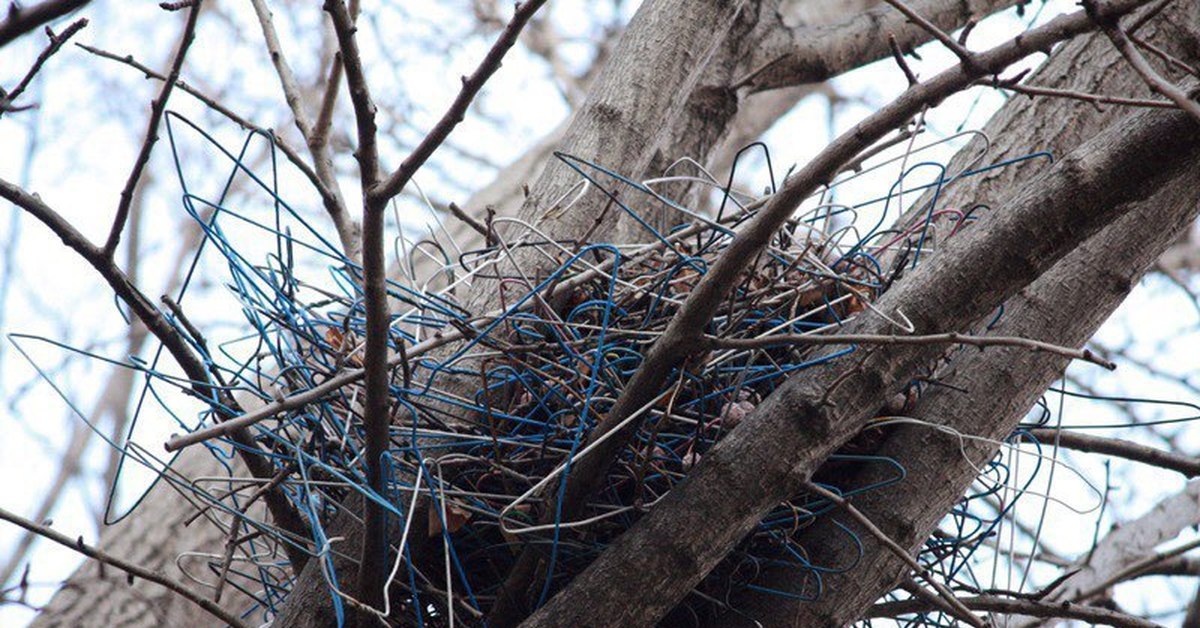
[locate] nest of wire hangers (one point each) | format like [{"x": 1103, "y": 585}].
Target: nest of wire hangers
[{"x": 486, "y": 427}]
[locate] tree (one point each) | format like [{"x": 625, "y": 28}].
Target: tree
[{"x": 1090, "y": 226}]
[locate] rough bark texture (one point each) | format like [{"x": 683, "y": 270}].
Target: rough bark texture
[
  {"x": 1002, "y": 385},
  {"x": 68, "y": 607},
  {"x": 633, "y": 103},
  {"x": 837, "y": 36},
  {"x": 1006, "y": 381},
  {"x": 766, "y": 457}
]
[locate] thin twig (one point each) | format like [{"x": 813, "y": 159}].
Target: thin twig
[
  {"x": 470, "y": 221},
  {"x": 287, "y": 80},
  {"x": 56, "y": 42},
  {"x": 212, "y": 103},
  {"x": 315, "y": 135},
  {"x": 1031, "y": 608},
  {"x": 1135, "y": 569},
  {"x": 1189, "y": 466},
  {"x": 914, "y": 588},
  {"x": 1087, "y": 355},
  {"x": 1167, "y": 57},
  {"x": 961, "y": 611},
  {"x": 179, "y": 588},
  {"x": 458, "y": 109},
  {"x": 1157, "y": 84},
  {"x": 1094, "y": 99},
  {"x": 157, "y": 107},
  {"x": 898, "y": 55},
  {"x": 186, "y": 323},
  {"x": 282, "y": 511},
  {"x": 377, "y": 192},
  {"x": 965, "y": 56}
]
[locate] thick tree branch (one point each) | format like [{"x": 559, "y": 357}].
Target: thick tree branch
[
  {"x": 679, "y": 339},
  {"x": 761, "y": 461},
  {"x": 940, "y": 467},
  {"x": 23, "y": 20}
]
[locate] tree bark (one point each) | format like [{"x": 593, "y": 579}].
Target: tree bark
[
  {"x": 1100, "y": 273},
  {"x": 768, "y": 456},
  {"x": 1002, "y": 385},
  {"x": 163, "y": 504}
]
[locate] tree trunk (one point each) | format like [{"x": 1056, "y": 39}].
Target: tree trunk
[
  {"x": 633, "y": 157},
  {"x": 772, "y": 452},
  {"x": 1100, "y": 273}
]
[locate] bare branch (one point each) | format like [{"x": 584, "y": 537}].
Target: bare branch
[
  {"x": 1167, "y": 57},
  {"x": 966, "y": 57},
  {"x": 1010, "y": 606},
  {"x": 1086, "y": 355},
  {"x": 945, "y": 594},
  {"x": 1095, "y": 99},
  {"x": 773, "y": 434},
  {"x": 287, "y": 80},
  {"x": 475, "y": 225},
  {"x": 377, "y": 193},
  {"x": 1159, "y": 85},
  {"x": 56, "y": 42},
  {"x": 1189, "y": 466},
  {"x": 470, "y": 88},
  {"x": 680, "y": 337},
  {"x": 1129, "y": 547},
  {"x": 157, "y": 107},
  {"x": 898, "y": 55},
  {"x": 292, "y": 156},
  {"x": 283, "y": 512},
  {"x": 181, "y": 589},
  {"x": 817, "y": 53},
  {"x": 373, "y": 553},
  {"x": 315, "y": 136}
]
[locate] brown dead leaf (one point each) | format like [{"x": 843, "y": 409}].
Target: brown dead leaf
[{"x": 456, "y": 518}]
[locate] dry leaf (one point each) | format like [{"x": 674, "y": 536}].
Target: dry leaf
[{"x": 456, "y": 518}]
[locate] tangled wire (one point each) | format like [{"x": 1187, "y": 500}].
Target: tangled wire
[{"x": 492, "y": 409}]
